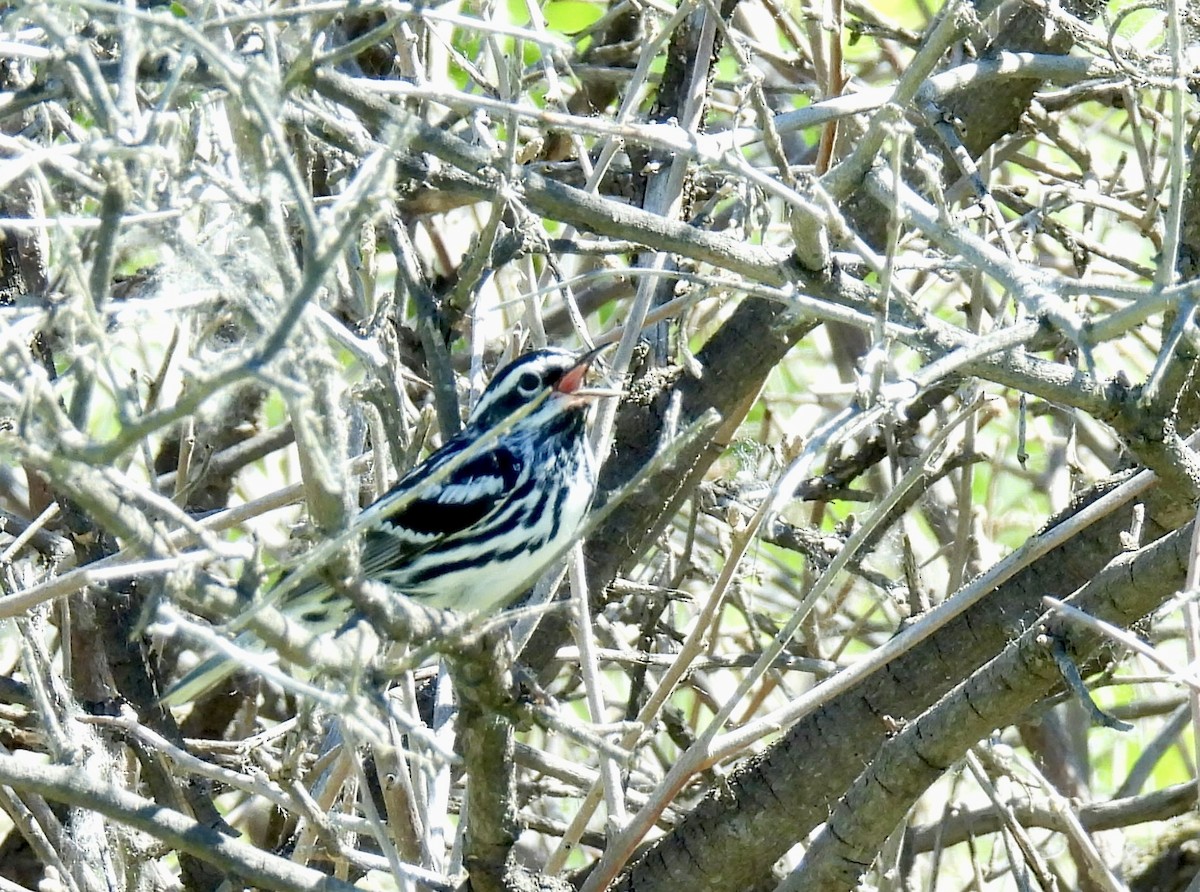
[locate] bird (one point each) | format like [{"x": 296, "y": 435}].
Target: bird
[
  {"x": 474, "y": 525},
  {"x": 508, "y": 492}
]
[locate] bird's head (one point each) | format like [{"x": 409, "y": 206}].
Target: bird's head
[{"x": 551, "y": 377}]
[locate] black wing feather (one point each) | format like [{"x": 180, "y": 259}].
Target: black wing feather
[{"x": 472, "y": 491}]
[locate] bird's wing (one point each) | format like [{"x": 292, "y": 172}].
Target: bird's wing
[{"x": 465, "y": 498}]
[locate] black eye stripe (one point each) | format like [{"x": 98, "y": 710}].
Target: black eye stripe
[{"x": 519, "y": 382}]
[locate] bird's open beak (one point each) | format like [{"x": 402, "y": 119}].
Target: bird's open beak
[{"x": 572, "y": 383}]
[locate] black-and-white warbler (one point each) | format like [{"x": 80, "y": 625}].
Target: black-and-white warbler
[{"x": 478, "y": 521}]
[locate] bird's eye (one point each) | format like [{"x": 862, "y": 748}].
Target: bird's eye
[{"x": 529, "y": 383}]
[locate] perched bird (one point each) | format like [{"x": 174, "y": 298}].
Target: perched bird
[
  {"x": 479, "y": 520},
  {"x": 473, "y": 525}
]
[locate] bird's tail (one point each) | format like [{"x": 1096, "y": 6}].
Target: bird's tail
[{"x": 314, "y": 604}]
